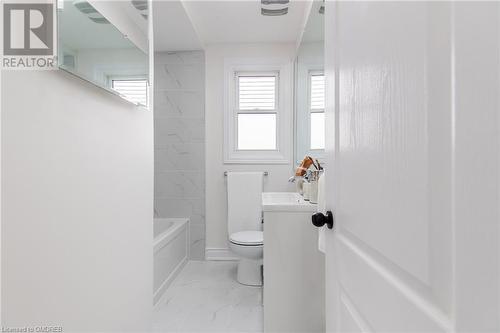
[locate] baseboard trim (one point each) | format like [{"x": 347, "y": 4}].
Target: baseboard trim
[
  {"x": 219, "y": 254},
  {"x": 168, "y": 281}
]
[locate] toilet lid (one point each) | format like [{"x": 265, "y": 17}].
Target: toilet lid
[{"x": 247, "y": 238}]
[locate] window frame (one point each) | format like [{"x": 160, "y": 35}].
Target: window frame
[
  {"x": 237, "y": 111},
  {"x": 234, "y": 68},
  {"x": 302, "y": 115},
  {"x": 310, "y": 74}
]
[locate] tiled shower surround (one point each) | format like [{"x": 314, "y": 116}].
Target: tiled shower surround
[{"x": 180, "y": 142}]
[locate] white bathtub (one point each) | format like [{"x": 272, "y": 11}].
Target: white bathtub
[{"x": 171, "y": 252}]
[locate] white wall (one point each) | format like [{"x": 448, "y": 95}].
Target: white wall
[
  {"x": 77, "y": 199},
  {"x": 216, "y": 200}
]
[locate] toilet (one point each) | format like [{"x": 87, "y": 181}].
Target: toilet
[
  {"x": 244, "y": 224},
  {"x": 248, "y": 246}
]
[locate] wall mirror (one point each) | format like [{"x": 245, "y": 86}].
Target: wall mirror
[
  {"x": 106, "y": 43},
  {"x": 310, "y": 88}
]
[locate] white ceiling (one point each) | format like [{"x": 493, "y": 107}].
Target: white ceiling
[
  {"x": 314, "y": 31},
  {"x": 235, "y": 21},
  {"x": 173, "y": 31},
  {"x": 77, "y": 31}
]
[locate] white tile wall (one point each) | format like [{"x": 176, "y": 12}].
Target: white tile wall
[
  {"x": 172, "y": 130},
  {"x": 178, "y": 103},
  {"x": 180, "y": 141},
  {"x": 194, "y": 208}
]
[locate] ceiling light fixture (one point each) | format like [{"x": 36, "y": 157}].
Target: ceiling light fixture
[
  {"x": 274, "y": 12},
  {"x": 274, "y": 7},
  {"x": 87, "y": 9},
  {"x": 274, "y": 2},
  {"x": 141, "y": 6}
]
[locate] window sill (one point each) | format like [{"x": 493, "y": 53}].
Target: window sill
[{"x": 255, "y": 157}]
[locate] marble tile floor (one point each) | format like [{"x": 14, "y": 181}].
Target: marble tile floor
[{"x": 205, "y": 297}]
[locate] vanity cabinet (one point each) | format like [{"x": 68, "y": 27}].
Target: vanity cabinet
[{"x": 294, "y": 272}]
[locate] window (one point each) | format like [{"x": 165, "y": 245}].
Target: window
[
  {"x": 256, "y": 131},
  {"x": 135, "y": 90},
  {"x": 317, "y": 110},
  {"x": 257, "y": 113}
]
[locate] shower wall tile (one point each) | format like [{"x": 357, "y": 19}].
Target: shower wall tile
[
  {"x": 179, "y": 130},
  {"x": 178, "y": 77},
  {"x": 179, "y": 58},
  {"x": 194, "y": 208},
  {"x": 180, "y": 184},
  {"x": 180, "y": 141},
  {"x": 179, "y": 104},
  {"x": 197, "y": 241},
  {"x": 181, "y": 156}
]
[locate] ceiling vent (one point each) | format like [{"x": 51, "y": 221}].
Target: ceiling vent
[
  {"x": 87, "y": 9},
  {"x": 274, "y": 7},
  {"x": 142, "y": 6}
]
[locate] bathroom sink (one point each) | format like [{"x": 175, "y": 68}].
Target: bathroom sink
[{"x": 286, "y": 201}]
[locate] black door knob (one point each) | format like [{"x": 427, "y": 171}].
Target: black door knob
[{"x": 319, "y": 219}]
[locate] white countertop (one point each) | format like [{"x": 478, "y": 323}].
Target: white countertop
[{"x": 286, "y": 202}]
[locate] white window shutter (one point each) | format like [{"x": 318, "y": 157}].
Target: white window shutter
[
  {"x": 133, "y": 90},
  {"x": 256, "y": 93},
  {"x": 317, "y": 92}
]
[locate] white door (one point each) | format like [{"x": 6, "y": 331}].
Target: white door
[{"x": 413, "y": 144}]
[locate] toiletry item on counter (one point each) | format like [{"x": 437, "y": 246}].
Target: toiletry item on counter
[
  {"x": 305, "y": 189},
  {"x": 306, "y": 178},
  {"x": 313, "y": 175},
  {"x": 300, "y": 185},
  {"x": 319, "y": 167},
  {"x": 304, "y": 165},
  {"x": 313, "y": 191}
]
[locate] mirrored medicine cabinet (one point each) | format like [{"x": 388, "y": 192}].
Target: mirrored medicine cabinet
[{"x": 106, "y": 43}]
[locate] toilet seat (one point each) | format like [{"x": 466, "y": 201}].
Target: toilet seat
[{"x": 247, "y": 238}]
